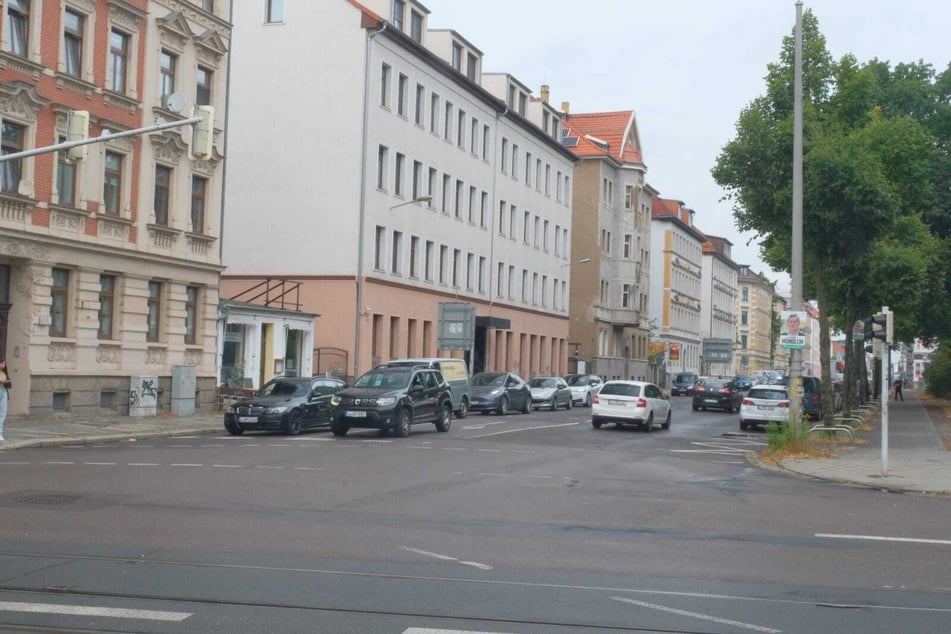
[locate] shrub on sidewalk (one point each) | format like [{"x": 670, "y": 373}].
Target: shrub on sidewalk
[{"x": 938, "y": 374}]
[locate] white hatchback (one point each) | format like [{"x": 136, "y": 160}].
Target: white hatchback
[
  {"x": 764, "y": 404},
  {"x": 630, "y": 403}
]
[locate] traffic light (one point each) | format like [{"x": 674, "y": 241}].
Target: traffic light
[
  {"x": 882, "y": 326},
  {"x": 77, "y": 129},
  {"x": 203, "y": 133}
]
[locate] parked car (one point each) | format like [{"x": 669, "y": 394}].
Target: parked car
[
  {"x": 811, "y": 395},
  {"x": 683, "y": 383},
  {"x": 630, "y": 403},
  {"x": 583, "y": 387},
  {"x": 764, "y": 404},
  {"x": 456, "y": 373},
  {"x": 393, "y": 398},
  {"x": 712, "y": 393},
  {"x": 286, "y": 404},
  {"x": 551, "y": 392},
  {"x": 499, "y": 392},
  {"x": 743, "y": 381}
]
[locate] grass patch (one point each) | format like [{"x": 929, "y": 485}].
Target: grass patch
[{"x": 795, "y": 441}]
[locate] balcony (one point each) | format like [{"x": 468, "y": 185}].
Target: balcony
[{"x": 624, "y": 317}]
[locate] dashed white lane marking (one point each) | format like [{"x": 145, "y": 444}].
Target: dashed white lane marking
[
  {"x": 484, "y": 425},
  {"x": 101, "y": 464},
  {"x": 882, "y": 538},
  {"x": 540, "y": 477},
  {"x": 697, "y": 615},
  {"x": 59, "y": 462},
  {"x": 419, "y": 447},
  {"x": 143, "y": 464},
  {"x": 490, "y": 450},
  {"x": 426, "y": 553},
  {"x": 308, "y": 468},
  {"x": 497, "y": 475},
  {"x": 90, "y": 610},
  {"x": 14, "y": 463},
  {"x": 187, "y": 464},
  {"x": 226, "y": 466},
  {"x": 454, "y": 448},
  {"x": 268, "y": 466},
  {"x": 512, "y": 431},
  {"x": 427, "y": 630}
]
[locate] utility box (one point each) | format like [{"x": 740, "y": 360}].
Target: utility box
[
  {"x": 184, "y": 382},
  {"x": 143, "y": 395}
]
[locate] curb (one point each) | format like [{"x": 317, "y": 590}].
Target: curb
[{"x": 87, "y": 440}]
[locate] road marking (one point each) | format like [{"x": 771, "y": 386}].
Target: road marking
[
  {"x": 484, "y": 425},
  {"x": 186, "y": 464},
  {"x": 418, "y": 447},
  {"x": 697, "y": 615},
  {"x": 427, "y": 630},
  {"x": 58, "y": 462},
  {"x": 89, "y": 610},
  {"x": 308, "y": 468},
  {"x": 101, "y": 464},
  {"x": 454, "y": 448},
  {"x": 143, "y": 464},
  {"x": 13, "y": 463},
  {"x": 512, "y": 431},
  {"x": 490, "y": 450},
  {"x": 496, "y": 475},
  {"x": 880, "y": 538},
  {"x": 227, "y": 466},
  {"x": 426, "y": 553},
  {"x": 268, "y": 466},
  {"x": 541, "y": 477}
]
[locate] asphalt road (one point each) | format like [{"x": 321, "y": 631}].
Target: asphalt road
[{"x": 528, "y": 523}]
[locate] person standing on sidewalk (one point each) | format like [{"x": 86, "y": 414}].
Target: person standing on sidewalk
[
  {"x": 4, "y": 394},
  {"x": 898, "y": 394}
]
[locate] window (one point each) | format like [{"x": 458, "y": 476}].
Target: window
[
  {"x": 482, "y": 274},
  {"x": 505, "y": 156},
  {"x": 379, "y": 248},
  {"x": 396, "y": 252},
  {"x": 118, "y": 59},
  {"x": 275, "y": 11},
  {"x": 459, "y": 189},
  {"x": 73, "y": 42},
  {"x": 382, "y": 164},
  {"x": 17, "y": 26},
  {"x": 431, "y": 188},
  {"x": 447, "y": 128},
  {"x": 428, "y": 262},
  {"x": 461, "y": 130},
  {"x": 385, "y": 86},
  {"x": 446, "y": 187},
  {"x": 416, "y": 26},
  {"x": 528, "y": 168},
  {"x": 628, "y": 244},
  {"x": 457, "y": 56},
  {"x": 59, "y": 293},
  {"x": 521, "y": 103},
  {"x": 443, "y": 262},
  {"x": 626, "y": 295},
  {"x": 199, "y": 191},
  {"x": 745, "y": 318},
  {"x": 628, "y": 197},
  {"x": 414, "y": 257},
  {"x": 163, "y": 180},
  {"x": 456, "y": 267},
  {"x": 191, "y": 314},
  {"x": 538, "y": 175},
  {"x": 398, "y": 174},
  {"x": 526, "y": 227},
  {"x": 545, "y": 236},
  {"x": 501, "y": 217},
  {"x": 420, "y": 96},
  {"x": 203, "y": 86},
  {"x": 107, "y": 302},
  {"x": 474, "y": 137},
  {"x": 498, "y": 281},
  {"x": 514, "y": 161},
  {"x": 746, "y": 293},
  {"x": 399, "y": 10},
  {"x": 484, "y": 211},
  {"x": 208, "y": 5},
  {"x": 12, "y": 142},
  {"x": 434, "y": 113},
  {"x": 524, "y": 285},
  {"x": 112, "y": 183},
  {"x": 417, "y": 179},
  {"x": 472, "y": 203},
  {"x": 548, "y": 180},
  {"x": 470, "y": 271},
  {"x": 401, "y": 94},
  {"x": 743, "y": 341},
  {"x": 485, "y": 143},
  {"x": 536, "y": 233},
  {"x": 154, "y": 311},
  {"x": 65, "y": 178},
  {"x": 472, "y": 66},
  {"x": 167, "y": 66}
]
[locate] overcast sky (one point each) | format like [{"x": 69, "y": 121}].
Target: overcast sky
[{"x": 686, "y": 67}]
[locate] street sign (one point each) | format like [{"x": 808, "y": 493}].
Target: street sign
[
  {"x": 858, "y": 330},
  {"x": 718, "y": 350}
]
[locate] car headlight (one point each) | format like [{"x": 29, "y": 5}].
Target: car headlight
[
  {"x": 280, "y": 409},
  {"x": 386, "y": 401},
  {"x": 335, "y": 400},
  {"x": 496, "y": 391},
  {"x": 230, "y": 409}
]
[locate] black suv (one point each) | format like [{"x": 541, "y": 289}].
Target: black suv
[{"x": 393, "y": 399}]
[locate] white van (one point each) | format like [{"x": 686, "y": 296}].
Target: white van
[{"x": 454, "y": 371}]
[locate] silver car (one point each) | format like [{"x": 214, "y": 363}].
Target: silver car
[
  {"x": 551, "y": 392},
  {"x": 583, "y": 387},
  {"x": 630, "y": 403}
]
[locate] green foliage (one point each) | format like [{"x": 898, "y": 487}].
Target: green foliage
[
  {"x": 787, "y": 438},
  {"x": 938, "y": 373}
]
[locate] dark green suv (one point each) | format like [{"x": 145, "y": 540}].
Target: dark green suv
[{"x": 392, "y": 399}]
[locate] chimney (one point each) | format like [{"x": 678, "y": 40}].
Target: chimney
[
  {"x": 545, "y": 93},
  {"x": 564, "y": 107}
]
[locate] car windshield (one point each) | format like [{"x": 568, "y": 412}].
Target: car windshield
[
  {"x": 283, "y": 388},
  {"x": 620, "y": 389},
  {"x": 714, "y": 383},
  {"x": 768, "y": 394},
  {"x": 541, "y": 382},
  {"x": 384, "y": 378},
  {"x": 488, "y": 379},
  {"x": 684, "y": 378}
]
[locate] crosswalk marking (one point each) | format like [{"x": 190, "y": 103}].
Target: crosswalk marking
[{"x": 91, "y": 610}]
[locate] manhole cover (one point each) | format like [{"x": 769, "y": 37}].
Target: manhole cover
[{"x": 48, "y": 499}]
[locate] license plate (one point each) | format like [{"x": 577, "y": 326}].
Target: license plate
[
  {"x": 247, "y": 419},
  {"x": 355, "y": 414},
  {"x": 764, "y": 407},
  {"x": 616, "y": 403},
  {"x": 710, "y": 400}
]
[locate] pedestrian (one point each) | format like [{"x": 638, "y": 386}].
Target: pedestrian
[
  {"x": 5, "y": 385},
  {"x": 898, "y": 394}
]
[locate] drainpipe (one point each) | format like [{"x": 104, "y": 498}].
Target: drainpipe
[{"x": 361, "y": 217}]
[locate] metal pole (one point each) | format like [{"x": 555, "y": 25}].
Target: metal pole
[
  {"x": 885, "y": 354},
  {"x": 795, "y": 356}
]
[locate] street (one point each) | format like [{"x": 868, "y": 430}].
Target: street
[{"x": 528, "y": 523}]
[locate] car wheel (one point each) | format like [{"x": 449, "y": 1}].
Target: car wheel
[
  {"x": 666, "y": 423},
  {"x": 294, "y": 423},
  {"x": 463, "y": 409},
  {"x": 445, "y": 419},
  {"x": 527, "y": 405},
  {"x": 553, "y": 405},
  {"x": 596, "y": 423},
  {"x": 569, "y": 404},
  {"x": 743, "y": 425},
  {"x": 503, "y": 407},
  {"x": 587, "y": 400},
  {"x": 339, "y": 429},
  {"x": 649, "y": 425},
  {"x": 696, "y": 407},
  {"x": 233, "y": 428},
  {"x": 403, "y": 422}
]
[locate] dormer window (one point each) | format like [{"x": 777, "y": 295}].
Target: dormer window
[
  {"x": 457, "y": 56},
  {"x": 416, "y": 26},
  {"x": 472, "y": 66},
  {"x": 399, "y": 10}
]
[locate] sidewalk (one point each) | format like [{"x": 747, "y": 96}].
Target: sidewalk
[{"x": 917, "y": 460}]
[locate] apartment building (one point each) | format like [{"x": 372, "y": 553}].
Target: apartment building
[
  {"x": 109, "y": 266},
  {"x": 754, "y": 327},
  {"x": 675, "y": 284},
  {"x": 395, "y": 176},
  {"x": 610, "y": 245},
  {"x": 718, "y": 306}
]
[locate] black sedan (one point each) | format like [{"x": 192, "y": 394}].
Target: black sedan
[
  {"x": 711, "y": 393},
  {"x": 286, "y": 404},
  {"x": 499, "y": 392}
]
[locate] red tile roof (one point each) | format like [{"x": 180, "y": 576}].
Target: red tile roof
[
  {"x": 617, "y": 131},
  {"x": 666, "y": 207}
]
